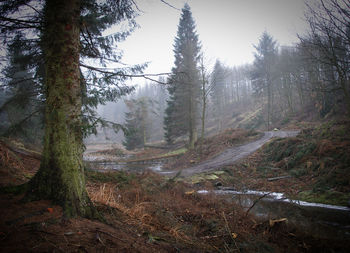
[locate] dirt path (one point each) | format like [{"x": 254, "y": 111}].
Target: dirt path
[{"x": 231, "y": 155}]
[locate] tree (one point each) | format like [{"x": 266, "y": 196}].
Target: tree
[
  {"x": 328, "y": 43},
  {"x": 156, "y": 93},
  {"x": 23, "y": 106},
  {"x": 138, "y": 124},
  {"x": 218, "y": 78},
  {"x": 184, "y": 89},
  {"x": 263, "y": 72},
  {"x": 64, "y": 34},
  {"x": 287, "y": 71},
  {"x": 205, "y": 91}
]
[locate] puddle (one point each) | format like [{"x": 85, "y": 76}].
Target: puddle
[
  {"x": 132, "y": 167},
  {"x": 319, "y": 220}
]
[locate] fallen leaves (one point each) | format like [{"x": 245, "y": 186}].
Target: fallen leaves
[{"x": 190, "y": 192}]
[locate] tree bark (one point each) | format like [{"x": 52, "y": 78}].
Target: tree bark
[
  {"x": 268, "y": 104},
  {"x": 204, "y": 106},
  {"x": 192, "y": 123},
  {"x": 61, "y": 174},
  {"x": 205, "y": 92}
]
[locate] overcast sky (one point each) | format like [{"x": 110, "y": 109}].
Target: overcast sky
[{"x": 227, "y": 29}]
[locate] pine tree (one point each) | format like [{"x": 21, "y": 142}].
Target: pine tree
[
  {"x": 263, "y": 73},
  {"x": 218, "y": 91},
  {"x": 184, "y": 89},
  {"x": 63, "y": 35},
  {"x": 138, "y": 123}
]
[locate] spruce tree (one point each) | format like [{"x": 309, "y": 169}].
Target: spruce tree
[
  {"x": 218, "y": 77},
  {"x": 138, "y": 123},
  {"x": 263, "y": 75},
  {"x": 184, "y": 89},
  {"x": 63, "y": 36},
  {"x": 23, "y": 105}
]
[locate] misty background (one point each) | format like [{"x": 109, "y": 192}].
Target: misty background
[{"x": 228, "y": 31}]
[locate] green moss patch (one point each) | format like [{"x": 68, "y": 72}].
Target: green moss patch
[
  {"x": 327, "y": 197},
  {"x": 319, "y": 157}
]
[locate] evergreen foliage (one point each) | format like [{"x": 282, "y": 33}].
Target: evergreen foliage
[
  {"x": 23, "y": 103},
  {"x": 65, "y": 37},
  {"x": 184, "y": 89},
  {"x": 264, "y": 60},
  {"x": 99, "y": 84},
  {"x": 137, "y": 122},
  {"x": 218, "y": 90},
  {"x": 263, "y": 72}
]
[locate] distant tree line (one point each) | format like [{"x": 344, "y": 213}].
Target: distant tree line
[{"x": 309, "y": 79}]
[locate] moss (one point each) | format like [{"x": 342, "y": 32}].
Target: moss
[
  {"x": 198, "y": 178},
  {"x": 294, "y": 150},
  {"x": 118, "y": 177},
  {"x": 219, "y": 172},
  {"x": 326, "y": 197},
  {"x": 298, "y": 172},
  {"x": 176, "y": 152},
  {"x": 281, "y": 148}
]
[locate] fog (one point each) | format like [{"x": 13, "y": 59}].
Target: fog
[{"x": 246, "y": 87}]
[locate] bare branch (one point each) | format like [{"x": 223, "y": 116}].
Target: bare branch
[
  {"x": 170, "y": 5},
  {"x": 121, "y": 74}
]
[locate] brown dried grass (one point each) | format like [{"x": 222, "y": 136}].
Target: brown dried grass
[{"x": 167, "y": 211}]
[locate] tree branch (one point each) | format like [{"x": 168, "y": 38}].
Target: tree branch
[
  {"x": 170, "y": 5},
  {"x": 112, "y": 74}
]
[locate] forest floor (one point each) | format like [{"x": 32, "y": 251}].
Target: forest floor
[{"x": 146, "y": 212}]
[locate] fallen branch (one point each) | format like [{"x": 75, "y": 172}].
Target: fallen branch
[
  {"x": 277, "y": 178},
  {"x": 98, "y": 238},
  {"x": 232, "y": 235},
  {"x": 255, "y": 202}
]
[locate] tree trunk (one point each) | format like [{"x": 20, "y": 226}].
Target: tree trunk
[
  {"x": 344, "y": 84},
  {"x": 203, "y": 116},
  {"x": 61, "y": 174},
  {"x": 192, "y": 127},
  {"x": 204, "y": 102},
  {"x": 268, "y": 104}
]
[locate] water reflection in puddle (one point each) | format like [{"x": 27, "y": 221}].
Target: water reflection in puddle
[
  {"x": 320, "y": 220},
  {"x": 271, "y": 196},
  {"x": 132, "y": 167}
]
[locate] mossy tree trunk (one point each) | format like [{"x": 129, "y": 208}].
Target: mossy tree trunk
[{"x": 61, "y": 174}]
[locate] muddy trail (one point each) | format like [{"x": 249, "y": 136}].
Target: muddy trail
[{"x": 231, "y": 155}]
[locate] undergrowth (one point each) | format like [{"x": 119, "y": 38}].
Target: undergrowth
[
  {"x": 170, "y": 212},
  {"x": 319, "y": 156}
]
